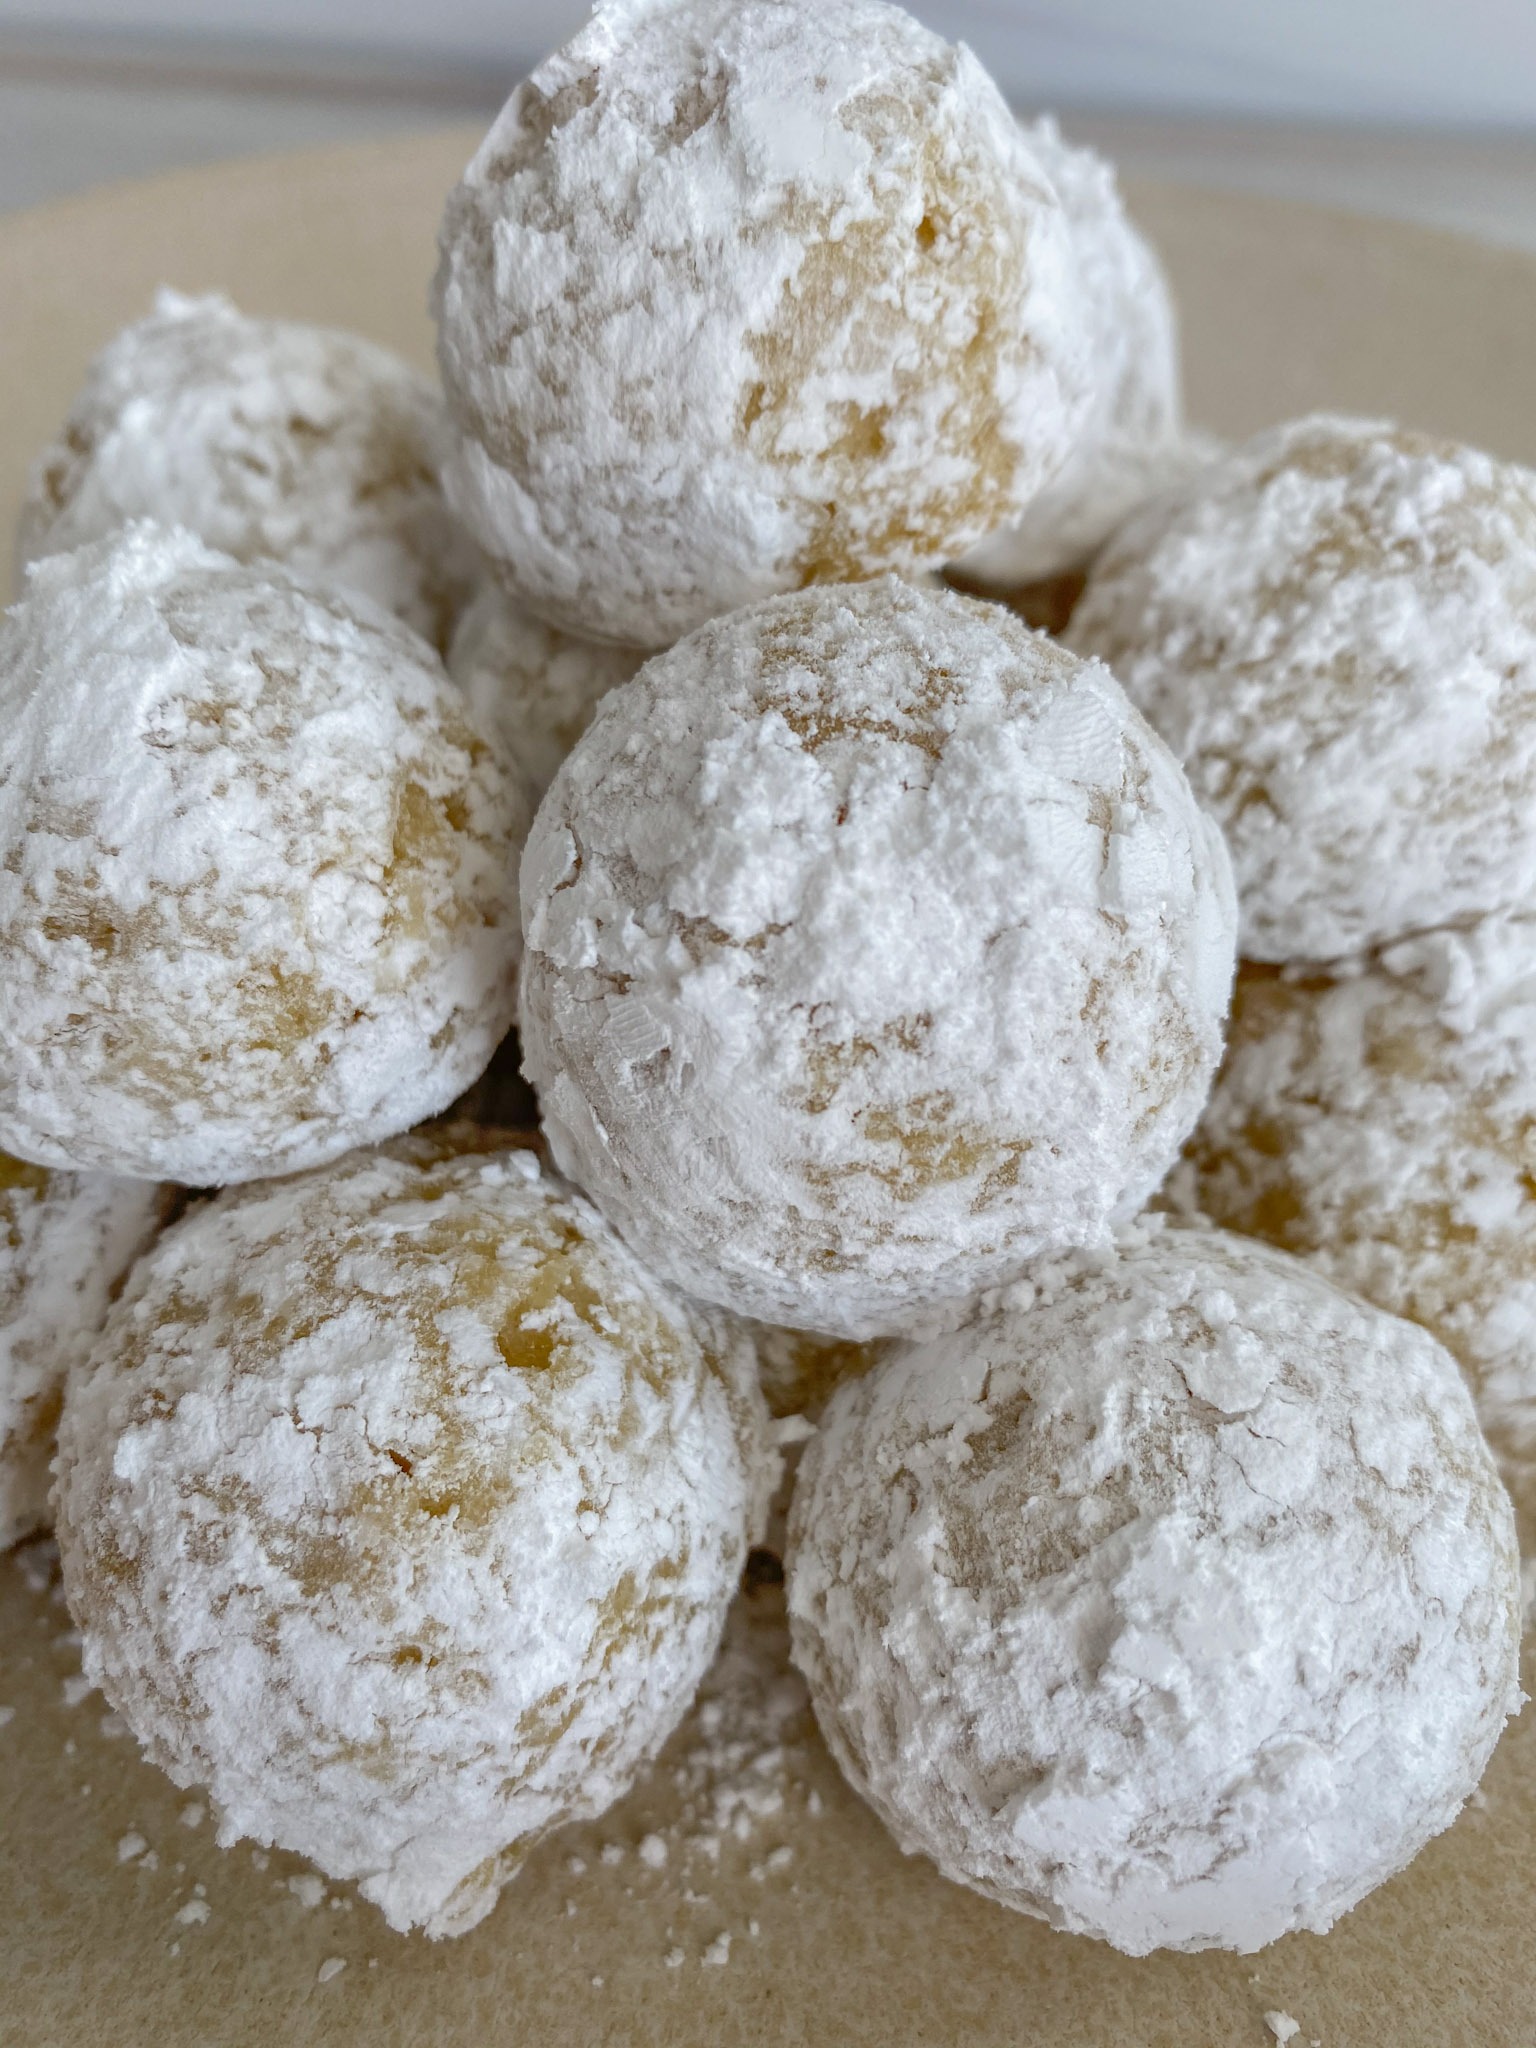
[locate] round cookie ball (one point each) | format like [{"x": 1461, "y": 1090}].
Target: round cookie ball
[
  {"x": 531, "y": 684},
  {"x": 66, "y": 1240},
  {"x": 256, "y": 880},
  {"x": 1174, "y": 1601},
  {"x": 874, "y": 945},
  {"x": 1131, "y": 442},
  {"x": 735, "y": 299},
  {"x": 401, "y": 1509},
  {"x": 1383, "y": 1125},
  {"x": 1334, "y": 627},
  {"x": 264, "y": 438}
]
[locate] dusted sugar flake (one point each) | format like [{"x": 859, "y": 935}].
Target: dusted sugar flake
[
  {"x": 256, "y": 903},
  {"x": 1334, "y": 628},
  {"x": 1383, "y": 1124},
  {"x": 1132, "y": 441},
  {"x": 733, "y": 300},
  {"x": 66, "y": 1240},
  {"x": 401, "y": 1510},
  {"x": 874, "y": 945},
  {"x": 530, "y": 683},
  {"x": 264, "y": 438},
  {"x": 1174, "y": 1600}
]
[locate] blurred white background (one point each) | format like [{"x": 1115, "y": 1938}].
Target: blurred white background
[
  {"x": 1421, "y": 107},
  {"x": 1443, "y": 61}
]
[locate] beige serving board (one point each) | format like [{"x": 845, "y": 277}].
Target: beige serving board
[{"x": 105, "y": 1937}]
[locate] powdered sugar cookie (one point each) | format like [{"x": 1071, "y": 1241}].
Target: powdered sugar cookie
[
  {"x": 1174, "y": 1600},
  {"x": 401, "y": 1509},
  {"x": 1334, "y": 628},
  {"x": 1131, "y": 442},
  {"x": 736, "y": 299},
  {"x": 264, "y": 438},
  {"x": 874, "y": 945},
  {"x": 66, "y": 1240},
  {"x": 534, "y": 685},
  {"x": 256, "y": 900},
  {"x": 1382, "y": 1125}
]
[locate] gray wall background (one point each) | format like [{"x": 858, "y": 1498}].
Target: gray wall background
[{"x": 1453, "y": 63}]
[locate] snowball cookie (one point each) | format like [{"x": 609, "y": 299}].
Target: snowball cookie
[
  {"x": 66, "y": 1240},
  {"x": 1384, "y": 1125},
  {"x": 256, "y": 904},
  {"x": 737, "y": 299},
  {"x": 1335, "y": 629},
  {"x": 874, "y": 946},
  {"x": 400, "y": 1508},
  {"x": 264, "y": 438},
  {"x": 1174, "y": 1601},
  {"x": 1132, "y": 441},
  {"x": 530, "y": 683}
]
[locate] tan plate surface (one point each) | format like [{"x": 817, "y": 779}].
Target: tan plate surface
[{"x": 1285, "y": 308}]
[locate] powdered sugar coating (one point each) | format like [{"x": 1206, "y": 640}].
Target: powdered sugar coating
[
  {"x": 534, "y": 685},
  {"x": 66, "y": 1240},
  {"x": 256, "y": 902},
  {"x": 736, "y": 299},
  {"x": 1383, "y": 1125},
  {"x": 401, "y": 1509},
  {"x": 874, "y": 945},
  {"x": 1174, "y": 1601},
  {"x": 1131, "y": 442},
  {"x": 264, "y": 438},
  {"x": 1335, "y": 630}
]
